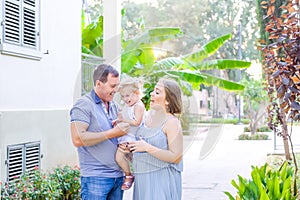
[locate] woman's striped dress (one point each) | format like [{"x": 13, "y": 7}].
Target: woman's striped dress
[{"x": 155, "y": 179}]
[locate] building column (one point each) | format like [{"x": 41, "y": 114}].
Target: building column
[{"x": 112, "y": 33}]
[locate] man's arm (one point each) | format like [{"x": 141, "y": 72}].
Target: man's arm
[{"x": 81, "y": 137}]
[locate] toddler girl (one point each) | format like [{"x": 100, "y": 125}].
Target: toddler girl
[{"x": 133, "y": 113}]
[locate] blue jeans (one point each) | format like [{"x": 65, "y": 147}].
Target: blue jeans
[{"x": 101, "y": 188}]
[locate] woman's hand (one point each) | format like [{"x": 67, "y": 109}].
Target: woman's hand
[
  {"x": 139, "y": 146},
  {"x": 124, "y": 147}
]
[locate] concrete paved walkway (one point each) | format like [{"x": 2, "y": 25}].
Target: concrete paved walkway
[
  {"x": 213, "y": 157},
  {"x": 208, "y": 177}
]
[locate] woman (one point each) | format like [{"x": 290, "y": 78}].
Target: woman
[{"x": 157, "y": 159}]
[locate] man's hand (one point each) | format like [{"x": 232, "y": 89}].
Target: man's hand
[
  {"x": 120, "y": 116},
  {"x": 118, "y": 120},
  {"x": 82, "y": 137},
  {"x": 124, "y": 127}
]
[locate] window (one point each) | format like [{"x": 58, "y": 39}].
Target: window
[
  {"x": 20, "y": 28},
  {"x": 22, "y": 158}
]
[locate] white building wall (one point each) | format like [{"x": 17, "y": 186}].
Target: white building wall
[
  {"x": 27, "y": 84},
  {"x": 36, "y": 95}
]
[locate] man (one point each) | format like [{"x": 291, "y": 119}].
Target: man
[{"x": 96, "y": 138}]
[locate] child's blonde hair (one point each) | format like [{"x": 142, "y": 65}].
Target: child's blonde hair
[{"x": 135, "y": 84}]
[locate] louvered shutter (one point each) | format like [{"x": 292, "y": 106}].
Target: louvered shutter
[
  {"x": 14, "y": 161},
  {"x": 22, "y": 158},
  {"x": 12, "y": 19},
  {"x": 32, "y": 156},
  {"x": 29, "y": 23}
]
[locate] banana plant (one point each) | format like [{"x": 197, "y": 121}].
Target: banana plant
[
  {"x": 92, "y": 37},
  {"x": 190, "y": 70}
]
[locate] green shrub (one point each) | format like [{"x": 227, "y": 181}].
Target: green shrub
[
  {"x": 33, "y": 185},
  {"x": 264, "y": 129},
  {"x": 223, "y": 121},
  {"x": 261, "y": 129},
  {"x": 257, "y": 136},
  {"x": 62, "y": 184},
  {"x": 187, "y": 118},
  {"x": 185, "y": 123},
  {"x": 246, "y": 129},
  {"x": 265, "y": 184},
  {"x": 244, "y": 137},
  {"x": 69, "y": 182}
]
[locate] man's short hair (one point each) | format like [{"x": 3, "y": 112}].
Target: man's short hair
[{"x": 102, "y": 71}]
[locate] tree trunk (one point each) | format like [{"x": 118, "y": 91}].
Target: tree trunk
[
  {"x": 231, "y": 105},
  {"x": 285, "y": 136}
]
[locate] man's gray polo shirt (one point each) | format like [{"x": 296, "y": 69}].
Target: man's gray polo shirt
[{"x": 97, "y": 160}]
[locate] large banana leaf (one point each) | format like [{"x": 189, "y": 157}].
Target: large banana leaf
[
  {"x": 151, "y": 37},
  {"x": 82, "y": 20},
  {"x": 86, "y": 50},
  {"x": 147, "y": 57},
  {"x": 196, "y": 78},
  {"x": 173, "y": 66},
  {"x": 92, "y": 37},
  {"x": 143, "y": 56},
  {"x": 221, "y": 83},
  {"x": 186, "y": 79},
  {"x": 169, "y": 63},
  {"x": 222, "y": 64},
  {"x": 206, "y": 50},
  {"x": 148, "y": 69},
  {"x": 129, "y": 60},
  {"x": 139, "y": 50}
]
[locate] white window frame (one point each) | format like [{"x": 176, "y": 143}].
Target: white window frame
[{"x": 20, "y": 28}]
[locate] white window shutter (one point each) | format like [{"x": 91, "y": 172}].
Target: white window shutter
[
  {"x": 29, "y": 23},
  {"x": 12, "y": 25}
]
